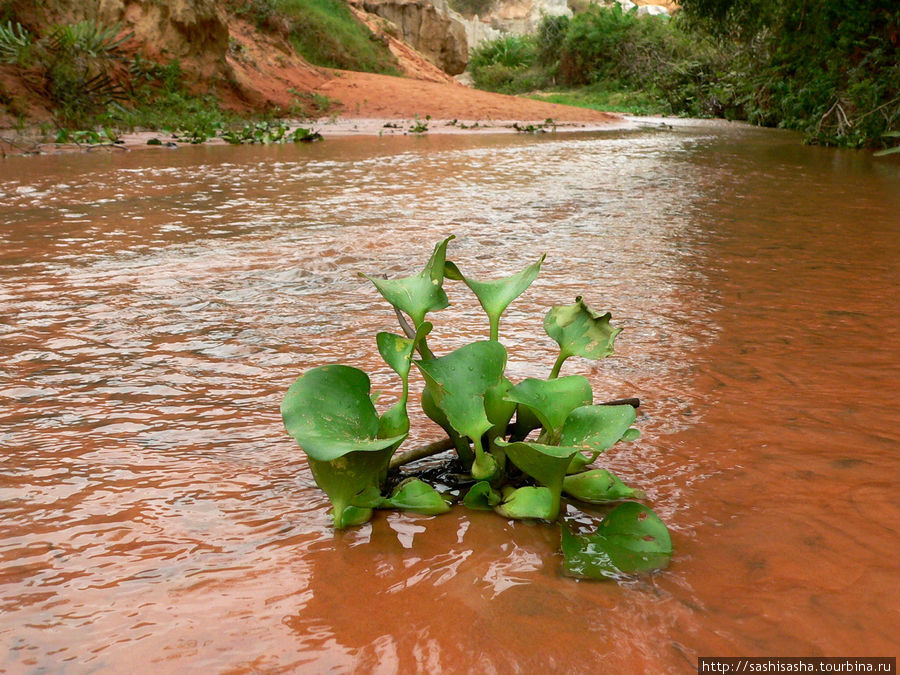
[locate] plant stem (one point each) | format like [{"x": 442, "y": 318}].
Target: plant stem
[
  {"x": 424, "y": 351},
  {"x": 404, "y": 325},
  {"x": 556, "y": 366},
  {"x": 495, "y": 329},
  {"x": 408, "y": 331}
]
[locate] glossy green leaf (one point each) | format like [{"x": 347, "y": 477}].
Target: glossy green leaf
[
  {"x": 485, "y": 465},
  {"x": 497, "y": 294},
  {"x": 436, "y": 415},
  {"x": 498, "y": 408},
  {"x": 595, "y": 428},
  {"x": 397, "y": 352},
  {"x": 528, "y": 502},
  {"x": 579, "y": 461},
  {"x": 458, "y": 381},
  {"x": 552, "y": 400},
  {"x": 355, "y": 515},
  {"x": 580, "y": 331},
  {"x": 630, "y": 539},
  {"x": 526, "y": 422},
  {"x": 481, "y": 497},
  {"x": 329, "y": 413},
  {"x": 547, "y": 464},
  {"x": 631, "y": 435},
  {"x": 419, "y": 294},
  {"x": 368, "y": 498},
  {"x": 416, "y": 495},
  {"x": 350, "y": 478},
  {"x": 599, "y": 486}
]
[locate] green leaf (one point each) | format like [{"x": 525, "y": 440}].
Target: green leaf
[
  {"x": 528, "y": 502},
  {"x": 481, "y": 497},
  {"x": 457, "y": 383},
  {"x": 497, "y": 294},
  {"x": 329, "y": 413},
  {"x": 485, "y": 466},
  {"x": 599, "y": 486},
  {"x": 526, "y": 422},
  {"x": 552, "y": 400},
  {"x": 547, "y": 464},
  {"x": 595, "y": 428},
  {"x": 350, "y": 479},
  {"x": 580, "y": 331},
  {"x": 397, "y": 352},
  {"x": 416, "y": 495},
  {"x": 630, "y": 435},
  {"x": 888, "y": 151},
  {"x": 498, "y": 408},
  {"x": 368, "y": 498},
  {"x": 436, "y": 415},
  {"x": 631, "y": 539},
  {"x": 354, "y": 515},
  {"x": 327, "y": 410},
  {"x": 579, "y": 461},
  {"x": 417, "y": 295}
]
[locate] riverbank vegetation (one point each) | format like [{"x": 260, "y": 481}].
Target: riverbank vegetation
[
  {"x": 829, "y": 69},
  {"x": 324, "y": 32},
  {"x": 88, "y": 75}
]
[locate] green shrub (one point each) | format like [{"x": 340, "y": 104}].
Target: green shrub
[
  {"x": 15, "y": 44},
  {"x": 506, "y": 80},
  {"x": 508, "y": 65},
  {"x": 551, "y": 34},
  {"x": 512, "y": 51},
  {"x": 830, "y": 69},
  {"x": 74, "y": 65}
]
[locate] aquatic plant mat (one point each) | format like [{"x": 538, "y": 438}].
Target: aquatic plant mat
[{"x": 520, "y": 449}]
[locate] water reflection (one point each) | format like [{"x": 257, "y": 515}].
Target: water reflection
[{"x": 156, "y": 306}]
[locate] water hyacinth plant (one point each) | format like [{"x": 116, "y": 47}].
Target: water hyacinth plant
[{"x": 521, "y": 448}]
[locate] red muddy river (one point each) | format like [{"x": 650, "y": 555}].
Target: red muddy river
[{"x": 155, "y": 306}]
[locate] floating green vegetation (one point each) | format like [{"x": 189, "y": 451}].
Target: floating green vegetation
[
  {"x": 266, "y": 133},
  {"x": 520, "y": 448},
  {"x": 419, "y": 126}
]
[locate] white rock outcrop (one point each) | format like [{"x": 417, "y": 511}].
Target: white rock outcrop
[
  {"x": 522, "y": 17},
  {"x": 431, "y": 28},
  {"x": 652, "y": 10}
]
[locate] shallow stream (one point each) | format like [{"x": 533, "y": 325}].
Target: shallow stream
[{"x": 155, "y": 306}]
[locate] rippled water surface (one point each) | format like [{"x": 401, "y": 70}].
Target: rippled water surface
[{"x": 155, "y": 517}]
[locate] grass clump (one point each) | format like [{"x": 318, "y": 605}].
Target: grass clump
[
  {"x": 608, "y": 97},
  {"x": 324, "y": 32}
]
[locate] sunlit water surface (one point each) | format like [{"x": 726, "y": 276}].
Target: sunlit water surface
[{"x": 155, "y": 306}]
